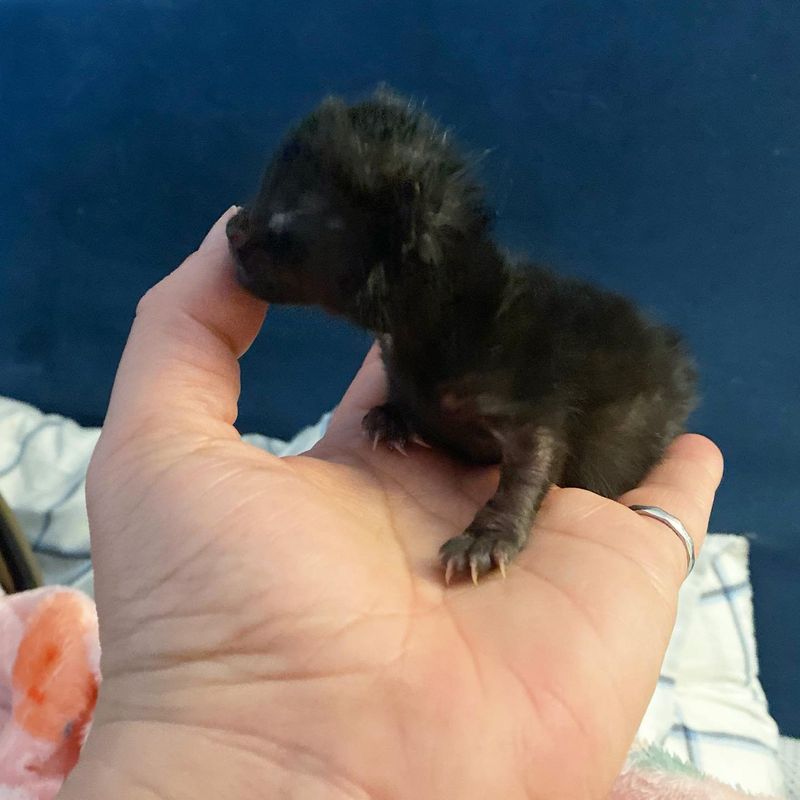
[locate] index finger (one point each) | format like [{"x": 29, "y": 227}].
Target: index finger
[{"x": 180, "y": 363}]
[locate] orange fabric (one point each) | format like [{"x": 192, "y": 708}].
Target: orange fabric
[{"x": 52, "y": 673}]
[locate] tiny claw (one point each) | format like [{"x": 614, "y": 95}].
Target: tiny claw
[
  {"x": 400, "y": 448},
  {"x": 448, "y": 571},
  {"x": 375, "y": 439},
  {"x": 473, "y": 568},
  {"x": 501, "y": 565},
  {"x": 420, "y": 441}
]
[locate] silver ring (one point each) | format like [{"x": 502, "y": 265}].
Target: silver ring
[{"x": 676, "y": 525}]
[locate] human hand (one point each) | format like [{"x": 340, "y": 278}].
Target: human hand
[{"x": 281, "y": 628}]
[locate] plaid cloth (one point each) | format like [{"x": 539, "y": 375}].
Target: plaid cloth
[
  {"x": 708, "y": 709},
  {"x": 43, "y": 462},
  {"x": 790, "y": 764}
]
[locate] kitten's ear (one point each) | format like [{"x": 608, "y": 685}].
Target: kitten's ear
[
  {"x": 332, "y": 104},
  {"x": 331, "y": 117},
  {"x": 331, "y": 132},
  {"x": 385, "y": 94}
]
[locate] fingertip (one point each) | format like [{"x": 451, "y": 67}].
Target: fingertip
[
  {"x": 700, "y": 449},
  {"x": 373, "y": 354},
  {"x": 217, "y": 232},
  {"x": 683, "y": 484}
]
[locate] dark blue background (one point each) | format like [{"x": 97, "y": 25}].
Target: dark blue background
[{"x": 652, "y": 147}]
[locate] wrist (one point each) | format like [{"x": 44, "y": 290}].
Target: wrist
[{"x": 161, "y": 761}]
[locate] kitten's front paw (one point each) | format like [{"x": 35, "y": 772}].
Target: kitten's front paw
[
  {"x": 387, "y": 423},
  {"x": 479, "y": 549}
]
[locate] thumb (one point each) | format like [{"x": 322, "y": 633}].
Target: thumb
[{"x": 180, "y": 365}]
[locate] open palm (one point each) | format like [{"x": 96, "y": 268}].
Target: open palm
[{"x": 280, "y": 627}]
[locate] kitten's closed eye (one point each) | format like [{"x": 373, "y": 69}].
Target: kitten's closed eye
[{"x": 281, "y": 221}]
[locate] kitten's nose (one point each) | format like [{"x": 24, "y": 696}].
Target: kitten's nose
[
  {"x": 237, "y": 238},
  {"x": 236, "y": 231}
]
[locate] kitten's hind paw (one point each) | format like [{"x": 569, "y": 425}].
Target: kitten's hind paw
[
  {"x": 388, "y": 424},
  {"x": 478, "y": 553}
]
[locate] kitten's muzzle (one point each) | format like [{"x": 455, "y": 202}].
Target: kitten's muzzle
[{"x": 237, "y": 229}]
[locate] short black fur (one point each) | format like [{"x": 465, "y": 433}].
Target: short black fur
[{"x": 370, "y": 211}]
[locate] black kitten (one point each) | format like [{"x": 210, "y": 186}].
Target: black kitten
[{"x": 369, "y": 211}]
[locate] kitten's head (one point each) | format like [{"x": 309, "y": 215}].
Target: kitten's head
[{"x": 352, "y": 190}]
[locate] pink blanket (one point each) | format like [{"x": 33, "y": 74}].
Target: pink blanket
[
  {"x": 49, "y": 675},
  {"x": 653, "y": 774}
]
